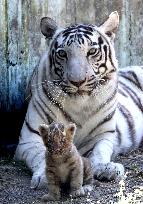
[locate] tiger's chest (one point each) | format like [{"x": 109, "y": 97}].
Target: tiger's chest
[
  {"x": 77, "y": 110},
  {"x": 63, "y": 172},
  {"x": 83, "y": 112}
]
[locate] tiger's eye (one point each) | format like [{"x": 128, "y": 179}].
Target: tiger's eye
[
  {"x": 62, "y": 53},
  {"x": 92, "y": 51}
]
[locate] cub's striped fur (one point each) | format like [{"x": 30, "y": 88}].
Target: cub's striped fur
[
  {"x": 64, "y": 165},
  {"x": 77, "y": 81}
]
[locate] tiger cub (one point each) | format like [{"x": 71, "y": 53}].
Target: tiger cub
[{"x": 64, "y": 165}]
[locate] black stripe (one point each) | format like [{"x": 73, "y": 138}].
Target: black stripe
[
  {"x": 57, "y": 68},
  {"x": 136, "y": 78},
  {"x": 110, "y": 131},
  {"x": 25, "y": 143},
  {"x": 89, "y": 152},
  {"x": 69, "y": 42},
  {"x": 26, "y": 151},
  {"x": 67, "y": 34},
  {"x": 45, "y": 105},
  {"x": 105, "y": 51},
  {"x": 49, "y": 119},
  {"x": 86, "y": 27},
  {"x": 38, "y": 112},
  {"x": 106, "y": 102},
  {"x": 87, "y": 32},
  {"x": 56, "y": 45},
  {"x": 50, "y": 61},
  {"x": 38, "y": 153},
  {"x": 57, "y": 62},
  {"x": 30, "y": 128},
  {"x": 110, "y": 56},
  {"x": 126, "y": 76},
  {"x": 106, "y": 119},
  {"x": 78, "y": 28},
  {"x": 82, "y": 40},
  {"x": 100, "y": 40},
  {"x": 120, "y": 91},
  {"x": 86, "y": 36},
  {"x": 118, "y": 135},
  {"x": 132, "y": 95},
  {"x": 130, "y": 122},
  {"x": 90, "y": 84},
  {"x": 91, "y": 139}
]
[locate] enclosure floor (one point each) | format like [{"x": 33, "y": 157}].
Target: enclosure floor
[{"x": 15, "y": 185}]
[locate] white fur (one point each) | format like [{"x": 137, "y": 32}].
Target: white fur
[{"x": 83, "y": 110}]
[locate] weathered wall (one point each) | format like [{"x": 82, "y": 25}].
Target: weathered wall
[{"x": 21, "y": 42}]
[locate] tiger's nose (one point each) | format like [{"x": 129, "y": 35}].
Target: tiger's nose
[{"x": 77, "y": 83}]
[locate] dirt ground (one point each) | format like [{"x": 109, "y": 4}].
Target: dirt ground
[{"x": 15, "y": 185}]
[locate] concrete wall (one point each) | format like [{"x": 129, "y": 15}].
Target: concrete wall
[{"x": 21, "y": 42}]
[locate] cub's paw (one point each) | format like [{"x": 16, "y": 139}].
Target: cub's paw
[
  {"x": 77, "y": 193},
  {"x": 109, "y": 171},
  {"x": 39, "y": 180},
  {"x": 50, "y": 197},
  {"x": 87, "y": 188}
]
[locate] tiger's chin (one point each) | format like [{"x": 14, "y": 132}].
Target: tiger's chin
[{"x": 78, "y": 93}]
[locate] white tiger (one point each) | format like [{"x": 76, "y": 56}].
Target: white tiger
[{"x": 77, "y": 81}]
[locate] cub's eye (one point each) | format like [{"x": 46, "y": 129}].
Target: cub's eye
[
  {"x": 62, "y": 53},
  {"x": 92, "y": 51}
]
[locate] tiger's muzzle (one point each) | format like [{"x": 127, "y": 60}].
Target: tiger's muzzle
[{"x": 82, "y": 87}]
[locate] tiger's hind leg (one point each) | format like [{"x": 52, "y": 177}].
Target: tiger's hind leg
[{"x": 100, "y": 159}]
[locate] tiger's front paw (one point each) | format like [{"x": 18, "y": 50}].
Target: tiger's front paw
[
  {"x": 109, "y": 171},
  {"x": 77, "y": 193},
  {"x": 87, "y": 188},
  {"x": 39, "y": 180}
]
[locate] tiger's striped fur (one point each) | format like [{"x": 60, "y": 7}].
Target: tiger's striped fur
[{"x": 77, "y": 81}]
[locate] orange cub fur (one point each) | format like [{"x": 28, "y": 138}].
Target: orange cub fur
[{"x": 64, "y": 165}]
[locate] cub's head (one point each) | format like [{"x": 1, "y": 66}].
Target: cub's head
[
  {"x": 81, "y": 56},
  {"x": 56, "y": 137}
]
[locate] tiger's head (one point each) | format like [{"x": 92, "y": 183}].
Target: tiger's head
[{"x": 81, "y": 56}]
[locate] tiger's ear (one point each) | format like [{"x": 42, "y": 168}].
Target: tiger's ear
[
  {"x": 43, "y": 131},
  {"x": 70, "y": 131},
  {"x": 48, "y": 27},
  {"x": 109, "y": 27}
]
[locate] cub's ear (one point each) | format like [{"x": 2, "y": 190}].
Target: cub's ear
[
  {"x": 109, "y": 27},
  {"x": 48, "y": 27},
  {"x": 70, "y": 130},
  {"x": 43, "y": 131}
]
